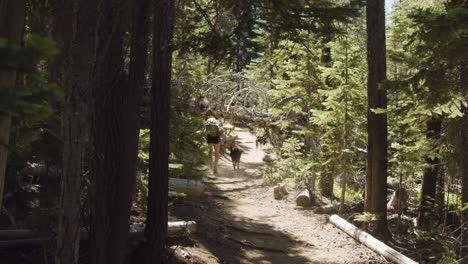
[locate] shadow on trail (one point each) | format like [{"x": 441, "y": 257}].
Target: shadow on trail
[
  {"x": 234, "y": 238},
  {"x": 235, "y": 224}
]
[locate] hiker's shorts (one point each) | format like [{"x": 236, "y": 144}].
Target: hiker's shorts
[{"x": 213, "y": 139}]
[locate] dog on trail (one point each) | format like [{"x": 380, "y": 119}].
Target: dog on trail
[{"x": 235, "y": 152}]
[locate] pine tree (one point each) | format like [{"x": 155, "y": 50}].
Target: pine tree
[
  {"x": 157, "y": 216},
  {"x": 376, "y": 179},
  {"x": 78, "y": 87},
  {"x": 115, "y": 123}
]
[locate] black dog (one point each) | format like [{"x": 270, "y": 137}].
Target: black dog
[{"x": 235, "y": 154}]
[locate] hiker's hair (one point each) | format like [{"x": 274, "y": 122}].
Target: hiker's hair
[{"x": 212, "y": 113}]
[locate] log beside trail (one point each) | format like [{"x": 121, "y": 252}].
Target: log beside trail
[
  {"x": 187, "y": 186},
  {"x": 327, "y": 209},
  {"x": 304, "y": 198},
  {"x": 28, "y": 238},
  {"x": 279, "y": 191},
  {"x": 369, "y": 241}
]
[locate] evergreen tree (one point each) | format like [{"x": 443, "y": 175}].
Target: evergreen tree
[
  {"x": 157, "y": 216},
  {"x": 376, "y": 179},
  {"x": 78, "y": 87},
  {"x": 114, "y": 125}
]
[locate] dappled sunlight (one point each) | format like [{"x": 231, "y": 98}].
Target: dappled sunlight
[{"x": 239, "y": 222}]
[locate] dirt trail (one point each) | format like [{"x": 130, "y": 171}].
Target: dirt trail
[{"x": 238, "y": 221}]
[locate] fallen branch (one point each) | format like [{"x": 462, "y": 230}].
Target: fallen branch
[
  {"x": 190, "y": 187},
  {"x": 26, "y": 238},
  {"x": 327, "y": 209},
  {"x": 369, "y": 241},
  {"x": 251, "y": 245}
]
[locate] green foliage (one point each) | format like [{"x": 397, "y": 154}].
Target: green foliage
[
  {"x": 187, "y": 147},
  {"x": 433, "y": 248},
  {"x": 366, "y": 217},
  {"x": 294, "y": 167},
  {"x": 32, "y": 94}
]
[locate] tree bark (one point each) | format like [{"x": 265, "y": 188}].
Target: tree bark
[
  {"x": 369, "y": 241},
  {"x": 376, "y": 190},
  {"x": 77, "y": 84},
  {"x": 12, "y": 15},
  {"x": 327, "y": 178},
  {"x": 427, "y": 208},
  {"x": 156, "y": 228},
  {"x": 114, "y": 124},
  {"x": 464, "y": 158},
  {"x": 61, "y": 32},
  {"x": 138, "y": 64}
]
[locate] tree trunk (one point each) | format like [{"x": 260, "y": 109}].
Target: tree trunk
[
  {"x": 376, "y": 122},
  {"x": 12, "y": 14},
  {"x": 115, "y": 122},
  {"x": 327, "y": 178},
  {"x": 61, "y": 33},
  {"x": 326, "y": 182},
  {"x": 156, "y": 227},
  {"x": 464, "y": 159},
  {"x": 369, "y": 241},
  {"x": 75, "y": 124},
  {"x": 138, "y": 64},
  {"x": 427, "y": 208}
]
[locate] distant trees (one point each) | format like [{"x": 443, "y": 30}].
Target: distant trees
[{"x": 431, "y": 175}]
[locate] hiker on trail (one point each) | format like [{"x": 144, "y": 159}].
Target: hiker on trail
[{"x": 214, "y": 135}]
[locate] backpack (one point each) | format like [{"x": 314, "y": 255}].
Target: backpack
[{"x": 212, "y": 127}]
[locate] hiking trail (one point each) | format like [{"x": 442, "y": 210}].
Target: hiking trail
[{"x": 239, "y": 221}]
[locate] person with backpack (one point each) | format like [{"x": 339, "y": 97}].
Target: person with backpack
[{"x": 214, "y": 135}]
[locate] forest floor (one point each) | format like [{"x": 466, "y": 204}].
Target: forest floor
[{"x": 239, "y": 221}]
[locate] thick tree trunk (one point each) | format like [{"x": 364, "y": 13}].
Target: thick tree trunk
[
  {"x": 61, "y": 32},
  {"x": 77, "y": 84},
  {"x": 427, "y": 208},
  {"x": 377, "y": 122},
  {"x": 156, "y": 228},
  {"x": 115, "y": 122},
  {"x": 12, "y": 14}
]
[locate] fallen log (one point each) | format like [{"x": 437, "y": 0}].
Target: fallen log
[
  {"x": 370, "y": 242},
  {"x": 26, "y": 237},
  {"x": 136, "y": 231},
  {"x": 303, "y": 198},
  {"x": 187, "y": 186},
  {"x": 327, "y": 209}
]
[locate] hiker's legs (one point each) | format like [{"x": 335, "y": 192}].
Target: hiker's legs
[
  {"x": 210, "y": 155},
  {"x": 216, "y": 150}
]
